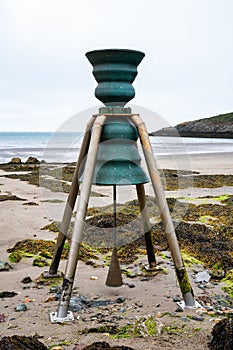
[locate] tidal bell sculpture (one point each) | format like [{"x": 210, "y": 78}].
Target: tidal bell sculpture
[{"x": 109, "y": 157}]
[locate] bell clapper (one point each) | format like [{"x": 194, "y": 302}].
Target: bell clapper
[{"x": 114, "y": 278}]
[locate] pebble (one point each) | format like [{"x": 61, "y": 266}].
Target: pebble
[
  {"x": 27, "y": 300},
  {"x": 55, "y": 289},
  {"x": 176, "y": 299},
  {"x": 26, "y": 280},
  {"x": 197, "y": 318},
  {"x": 203, "y": 276},
  {"x": 120, "y": 299},
  {"x": 93, "y": 318},
  {"x": 172, "y": 314},
  {"x": 201, "y": 286},
  {"x": 179, "y": 310},
  {"x": 4, "y": 266},
  {"x": 2, "y": 318},
  {"x": 145, "y": 279},
  {"x": 138, "y": 304},
  {"x": 50, "y": 298},
  {"x": 131, "y": 275},
  {"x": 167, "y": 295},
  {"x": 26, "y": 287},
  {"x": 21, "y": 307},
  {"x": 94, "y": 278},
  {"x": 184, "y": 318}
]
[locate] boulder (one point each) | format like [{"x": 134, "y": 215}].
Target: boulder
[
  {"x": 222, "y": 335},
  {"x": 15, "y": 160},
  {"x": 32, "y": 160}
]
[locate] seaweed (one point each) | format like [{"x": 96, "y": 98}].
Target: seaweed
[
  {"x": 222, "y": 335},
  {"x": 41, "y": 250},
  {"x": 17, "y": 342}
]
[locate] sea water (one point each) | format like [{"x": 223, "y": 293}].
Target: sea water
[{"x": 64, "y": 147}]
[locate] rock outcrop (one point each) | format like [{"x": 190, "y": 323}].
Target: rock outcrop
[
  {"x": 32, "y": 160},
  {"x": 220, "y": 126},
  {"x": 15, "y": 160}
]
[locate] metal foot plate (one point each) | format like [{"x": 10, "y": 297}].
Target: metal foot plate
[
  {"x": 182, "y": 305},
  {"x": 152, "y": 268},
  {"x": 46, "y": 274},
  {"x": 55, "y": 319}
]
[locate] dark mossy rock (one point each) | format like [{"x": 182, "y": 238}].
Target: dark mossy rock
[
  {"x": 7, "y": 294},
  {"x": 222, "y": 335},
  {"x": 40, "y": 262},
  {"x": 105, "y": 346},
  {"x": 17, "y": 342}
]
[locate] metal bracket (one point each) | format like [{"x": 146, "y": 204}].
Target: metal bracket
[
  {"x": 55, "y": 319},
  {"x": 183, "y": 306}
]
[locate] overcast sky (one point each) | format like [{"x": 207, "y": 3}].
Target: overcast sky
[{"x": 45, "y": 78}]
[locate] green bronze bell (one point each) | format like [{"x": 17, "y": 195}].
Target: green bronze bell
[{"x": 118, "y": 159}]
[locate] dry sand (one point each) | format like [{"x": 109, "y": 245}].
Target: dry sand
[{"x": 155, "y": 296}]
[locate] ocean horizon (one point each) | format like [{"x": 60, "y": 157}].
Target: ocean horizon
[{"x": 64, "y": 147}]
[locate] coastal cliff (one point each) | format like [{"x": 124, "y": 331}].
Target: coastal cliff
[{"x": 220, "y": 126}]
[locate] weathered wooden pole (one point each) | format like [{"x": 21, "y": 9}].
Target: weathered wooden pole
[
  {"x": 181, "y": 272},
  {"x": 62, "y": 313},
  {"x": 67, "y": 215},
  {"x": 146, "y": 225}
]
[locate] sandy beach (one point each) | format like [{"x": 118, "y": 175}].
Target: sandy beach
[{"x": 140, "y": 296}]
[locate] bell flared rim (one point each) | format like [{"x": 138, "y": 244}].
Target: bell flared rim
[
  {"x": 120, "y": 173},
  {"x": 115, "y": 55},
  {"x": 115, "y": 50}
]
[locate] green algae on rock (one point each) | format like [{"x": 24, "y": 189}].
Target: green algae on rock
[
  {"x": 41, "y": 250},
  {"x": 228, "y": 279}
]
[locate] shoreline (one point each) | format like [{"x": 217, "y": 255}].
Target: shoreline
[
  {"x": 67, "y": 150},
  {"x": 204, "y": 163}
]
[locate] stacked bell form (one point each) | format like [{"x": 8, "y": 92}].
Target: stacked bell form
[{"x": 115, "y": 71}]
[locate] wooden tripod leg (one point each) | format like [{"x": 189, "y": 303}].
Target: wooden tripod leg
[
  {"x": 77, "y": 235},
  {"x": 73, "y": 193},
  {"x": 181, "y": 272},
  {"x": 146, "y": 225}
]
